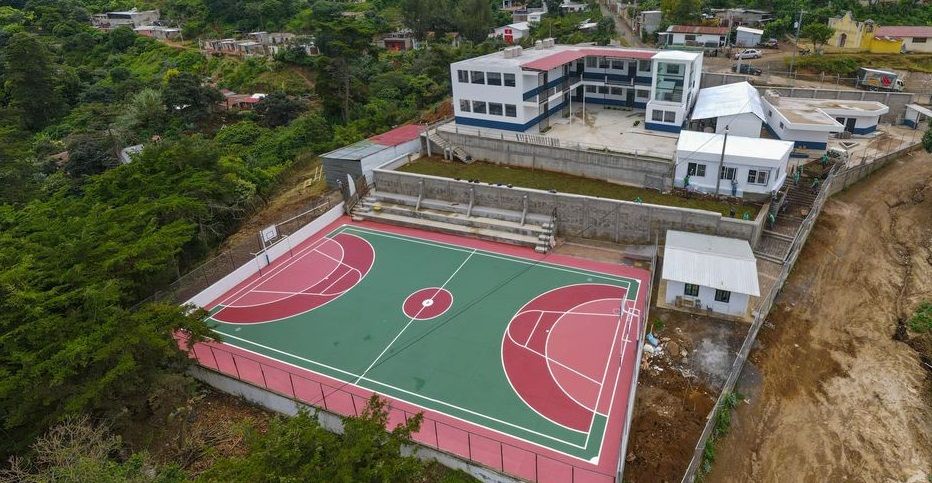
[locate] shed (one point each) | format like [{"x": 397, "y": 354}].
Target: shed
[
  {"x": 709, "y": 273},
  {"x": 359, "y": 159},
  {"x": 737, "y": 106},
  {"x": 748, "y": 37},
  {"x": 916, "y": 115}
]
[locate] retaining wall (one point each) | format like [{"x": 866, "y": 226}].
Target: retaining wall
[
  {"x": 578, "y": 216},
  {"x": 629, "y": 169}
]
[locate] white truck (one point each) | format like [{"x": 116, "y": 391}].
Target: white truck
[{"x": 879, "y": 80}]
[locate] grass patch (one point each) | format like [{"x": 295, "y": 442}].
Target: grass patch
[
  {"x": 847, "y": 65},
  {"x": 921, "y": 321},
  {"x": 722, "y": 425},
  {"x": 566, "y": 183}
]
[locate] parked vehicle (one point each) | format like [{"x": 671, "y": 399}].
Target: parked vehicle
[
  {"x": 748, "y": 54},
  {"x": 879, "y": 80},
  {"x": 805, "y": 51},
  {"x": 746, "y": 69},
  {"x": 771, "y": 43}
]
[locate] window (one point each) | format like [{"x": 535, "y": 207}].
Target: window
[
  {"x": 919, "y": 40},
  {"x": 781, "y": 125},
  {"x": 690, "y": 38},
  {"x": 657, "y": 116},
  {"x": 493, "y": 78},
  {"x": 478, "y": 107},
  {"x": 769, "y": 112},
  {"x": 462, "y": 75},
  {"x": 670, "y": 81},
  {"x": 603, "y": 63},
  {"x": 674, "y": 69},
  {"x": 695, "y": 169},
  {"x": 644, "y": 65},
  {"x": 509, "y": 80},
  {"x": 590, "y": 89},
  {"x": 618, "y": 65},
  {"x": 478, "y": 77},
  {"x": 669, "y": 116},
  {"x": 603, "y": 89},
  {"x": 722, "y": 296},
  {"x": 756, "y": 176},
  {"x": 691, "y": 290},
  {"x": 618, "y": 91},
  {"x": 642, "y": 94},
  {"x": 511, "y": 110},
  {"x": 592, "y": 62},
  {"x": 725, "y": 173},
  {"x": 495, "y": 109},
  {"x": 464, "y": 105}
]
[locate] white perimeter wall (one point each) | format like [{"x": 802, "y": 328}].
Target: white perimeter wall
[
  {"x": 737, "y": 305},
  {"x": 224, "y": 285}
]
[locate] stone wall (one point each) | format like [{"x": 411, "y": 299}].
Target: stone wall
[
  {"x": 629, "y": 169},
  {"x": 578, "y": 216}
]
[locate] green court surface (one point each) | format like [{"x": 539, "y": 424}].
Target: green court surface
[{"x": 442, "y": 354}]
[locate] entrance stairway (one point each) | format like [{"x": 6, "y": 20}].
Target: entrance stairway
[
  {"x": 491, "y": 224},
  {"x": 777, "y": 239},
  {"x": 444, "y": 145}
]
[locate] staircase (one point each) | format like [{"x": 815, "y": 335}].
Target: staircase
[
  {"x": 776, "y": 240},
  {"x": 491, "y": 224},
  {"x": 444, "y": 145}
]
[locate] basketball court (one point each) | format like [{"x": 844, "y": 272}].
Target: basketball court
[{"x": 536, "y": 352}]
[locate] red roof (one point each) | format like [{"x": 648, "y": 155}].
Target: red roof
[
  {"x": 566, "y": 56},
  {"x": 903, "y": 31},
  {"x": 699, "y": 29},
  {"x": 399, "y": 135}
]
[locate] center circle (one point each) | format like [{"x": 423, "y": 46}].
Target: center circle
[{"x": 427, "y": 303}]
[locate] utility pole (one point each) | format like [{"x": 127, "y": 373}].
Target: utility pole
[
  {"x": 721, "y": 163},
  {"x": 799, "y": 24}
]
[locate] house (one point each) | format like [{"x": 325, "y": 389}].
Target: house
[
  {"x": 359, "y": 159},
  {"x": 529, "y": 15},
  {"x": 128, "y": 18},
  {"x": 521, "y": 89},
  {"x": 648, "y": 21},
  {"x": 748, "y": 37},
  {"x": 735, "y": 17},
  {"x": 752, "y": 168},
  {"x": 808, "y": 122},
  {"x": 570, "y": 6},
  {"x": 260, "y": 44},
  {"x": 234, "y": 101},
  {"x": 158, "y": 32},
  {"x": 128, "y": 153},
  {"x": 512, "y": 33},
  {"x": 915, "y": 39},
  {"x": 695, "y": 36},
  {"x": 861, "y": 36},
  {"x": 398, "y": 41},
  {"x": 709, "y": 273},
  {"x": 736, "y": 106}
]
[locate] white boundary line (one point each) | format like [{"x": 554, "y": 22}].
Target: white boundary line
[
  {"x": 554, "y": 361},
  {"x": 403, "y": 329},
  {"x": 437, "y": 292},
  {"x": 608, "y": 361}
]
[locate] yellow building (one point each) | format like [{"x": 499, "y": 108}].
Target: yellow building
[{"x": 852, "y": 35}]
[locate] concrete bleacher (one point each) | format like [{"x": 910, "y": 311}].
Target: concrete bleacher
[{"x": 491, "y": 224}]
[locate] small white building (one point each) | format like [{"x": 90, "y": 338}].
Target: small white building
[
  {"x": 648, "y": 21},
  {"x": 571, "y": 6},
  {"x": 736, "y": 106},
  {"x": 917, "y": 116},
  {"x": 158, "y": 32},
  {"x": 752, "y": 168},
  {"x": 360, "y": 158},
  {"x": 709, "y": 273},
  {"x": 808, "y": 122},
  {"x": 126, "y": 18},
  {"x": 512, "y": 33},
  {"x": 695, "y": 36},
  {"x": 748, "y": 37}
]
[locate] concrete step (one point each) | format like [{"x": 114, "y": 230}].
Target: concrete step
[
  {"x": 454, "y": 229},
  {"x": 769, "y": 258},
  {"x": 461, "y": 208},
  {"x": 461, "y": 219},
  {"x": 779, "y": 235}
]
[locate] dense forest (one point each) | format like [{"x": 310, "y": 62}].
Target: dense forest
[{"x": 84, "y": 238}]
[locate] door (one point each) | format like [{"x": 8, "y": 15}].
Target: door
[
  {"x": 849, "y": 124},
  {"x": 629, "y": 97},
  {"x": 632, "y": 68}
]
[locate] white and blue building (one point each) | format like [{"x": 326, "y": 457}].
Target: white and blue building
[{"x": 521, "y": 89}]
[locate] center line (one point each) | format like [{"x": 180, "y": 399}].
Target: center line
[{"x": 403, "y": 329}]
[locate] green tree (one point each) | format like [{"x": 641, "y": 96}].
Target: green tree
[
  {"x": 553, "y": 7},
  {"x": 680, "y": 11},
  {"x": 186, "y": 96},
  {"x": 927, "y": 139},
  {"x": 30, "y": 82},
  {"x": 277, "y": 109},
  {"x": 817, "y": 33},
  {"x": 145, "y": 111},
  {"x": 474, "y": 19}
]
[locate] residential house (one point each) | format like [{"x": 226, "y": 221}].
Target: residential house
[
  {"x": 647, "y": 22},
  {"x": 233, "y": 101},
  {"x": 570, "y": 6},
  {"x": 748, "y": 37},
  {"x": 512, "y": 33},
  {"x": 736, "y": 17},
  {"x": 127, "y": 18},
  {"x": 158, "y": 32},
  {"x": 529, "y": 15},
  {"x": 399, "y": 41},
  {"x": 709, "y": 274},
  {"x": 917, "y": 39},
  {"x": 521, "y": 89},
  {"x": 695, "y": 36}
]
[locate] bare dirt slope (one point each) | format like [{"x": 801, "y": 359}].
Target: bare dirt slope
[{"x": 839, "y": 398}]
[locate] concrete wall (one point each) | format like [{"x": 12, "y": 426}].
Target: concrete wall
[
  {"x": 613, "y": 167},
  {"x": 737, "y": 304},
  {"x": 746, "y": 124},
  {"x": 577, "y": 215}
]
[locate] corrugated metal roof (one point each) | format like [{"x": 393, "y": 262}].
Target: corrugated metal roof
[
  {"x": 711, "y": 261},
  {"x": 728, "y": 100},
  {"x": 399, "y": 135},
  {"x": 355, "y": 151},
  {"x": 698, "y": 29},
  {"x": 903, "y": 31}
]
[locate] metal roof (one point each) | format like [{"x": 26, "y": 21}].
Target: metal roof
[
  {"x": 922, "y": 110},
  {"x": 355, "y": 151},
  {"x": 711, "y": 261},
  {"x": 728, "y": 100},
  {"x": 750, "y": 30},
  {"x": 703, "y": 146},
  {"x": 399, "y": 135},
  {"x": 698, "y": 29},
  {"x": 903, "y": 31}
]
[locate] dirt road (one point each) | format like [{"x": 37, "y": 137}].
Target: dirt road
[{"x": 837, "y": 398}]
